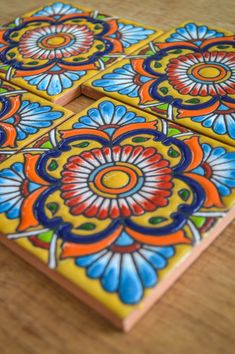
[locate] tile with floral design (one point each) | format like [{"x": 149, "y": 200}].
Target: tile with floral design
[
  {"x": 115, "y": 203},
  {"x": 24, "y": 117},
  {"x": 52, "y": 50},
  {"x": 187, "y": 75}
]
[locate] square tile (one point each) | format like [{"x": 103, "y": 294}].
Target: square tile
[
  {"x": 24, "y": 117},
  {"x": 52, "y": 50},
  {"x": 186, "y": 75},
  {"x": 115, "y": 204}
]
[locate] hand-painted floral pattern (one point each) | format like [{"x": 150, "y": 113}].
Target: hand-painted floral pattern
[
  {"x": 193, "y": 33},
  {"x": 132, "y": 35},
  {"x": 219, "y": 166},
  {"x": 67, "y": 43},
  {"x": 108, "y": 117},
  {"x": 56, "y": 41},
  {"x": 122, "y": 80},
  {"x": 20, "y": 118},
  {"x": 120, "y": 201},
  {"x": 57, "y": 9},
  {"x": 190, "y": 75},
  {"x": 127, "y": 267},
  {"x": 31, "y": 117},
  {"x": 221, "y": 121},
  {"x": 203, "y": 74},
  {"x": 133, "y": 179}
]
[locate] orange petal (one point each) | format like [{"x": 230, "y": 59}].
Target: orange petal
[
  {"x": 137, "y": 65},
  {"x": 215, "y": 40},
  {"x": 130, "y": 127},
  {"x": 185, "y": 113},
  {"x": 229, "y": 104},
  {"x": 33, "y": 71},
  {"x": 73, "y": 132},
  {"x": 167, "y": 240},
  {"x": 30, "y": 169},
  {"x": 15, "y": 104},
  {"x": 212, "y": 195},
  {"x": 144, "y": 92},
  {"x": 196, "y": 151},
  {"x": 75, "y": 250},
  {"x": 82, "y": 67},
  {"x": 167, "y": 45},
  {"x": 10, "y": 134},
  {"x": 113, "y": 27},
  {"x": 27, "y": 218}
]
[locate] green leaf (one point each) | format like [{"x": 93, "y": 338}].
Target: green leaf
[
  {"x": 150, "y": 52},
  {"x": 53, "y": 207},
  {"x": 140, "y": 139},
  {"x": 105, "y": 59},
  {"x": 78, "y": 59},
  {"x": 33, "y": 63},
  {"x": 173, "y": 131},
  {"x": 177, "y": 51},
  {"x": 163, "y": 106},
  {"x": 199, "y": 221},
  {"x": 53, "y": 165},
  {"x": 100, "y": 46},
  {"x": 97, "y": 27},
  {"x": 157, "y": 220},
  {"x": 46, "y": 236},
  {"x": 11, "y": 55},
  {"x": 193, "y": 100},
  {"x": 173, "y": 153},
  {"x": 88, "y": 226},
  {"x": 222, "y": 46},
  {"x": 184, "y": 194},
  {"x": 157, "y": 64},
  {"x": 15, "y": 34},
  {"x": 164, "y": 90},
  {"x": 84, "y": 144},
  {"x": 47, "y": 145}
]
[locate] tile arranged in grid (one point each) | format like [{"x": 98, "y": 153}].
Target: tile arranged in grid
[
  {"x": 186, "y": 75},
  {"x": 52, "y": 50},
  {"x": 24, "y": 117},
  {"x": 118, "y": 202}
]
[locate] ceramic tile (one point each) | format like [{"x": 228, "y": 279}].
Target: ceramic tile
[
  {"x": 187, "y": 75},
  {"x": 24, "y": 117},
  {"x": 52, "y": 50},
  {"x": 118, "y": 203}
]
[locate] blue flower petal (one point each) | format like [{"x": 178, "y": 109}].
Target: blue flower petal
[
  {"x": 96, "y": 269},
  {"x": 154, "y": 258},
  {"x": 85, "y": 261},
  {"x": 146, "y": 271},
  {"x": 130, "y": 289},
  {"x": 110, "y": 278}
]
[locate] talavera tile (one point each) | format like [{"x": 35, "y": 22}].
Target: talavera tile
[
  {"x": 186, "y": 75},
  {"x": 118, "y": 203},
  {"x": 24, "y": 117},
  {"x": 52, "y": 50}
]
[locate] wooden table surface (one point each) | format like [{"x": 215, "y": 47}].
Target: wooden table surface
[{"x": 196, "y": 316}]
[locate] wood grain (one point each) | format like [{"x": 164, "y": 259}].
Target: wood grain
[{"x": 196, "y": 316}]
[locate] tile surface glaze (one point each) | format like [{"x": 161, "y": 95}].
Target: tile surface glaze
[
  {"x": 186, "y": 75},
  {"x": 116, "y": 201},
  {"x": 24, "y": 117},
  {"x": 52, "y": 50}
]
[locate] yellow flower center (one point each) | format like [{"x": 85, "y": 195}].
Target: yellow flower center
[
  {"x": 115, "y": 179},
  {"x": 209, "y": 72},
  {"x": 56, "y": 40}
]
